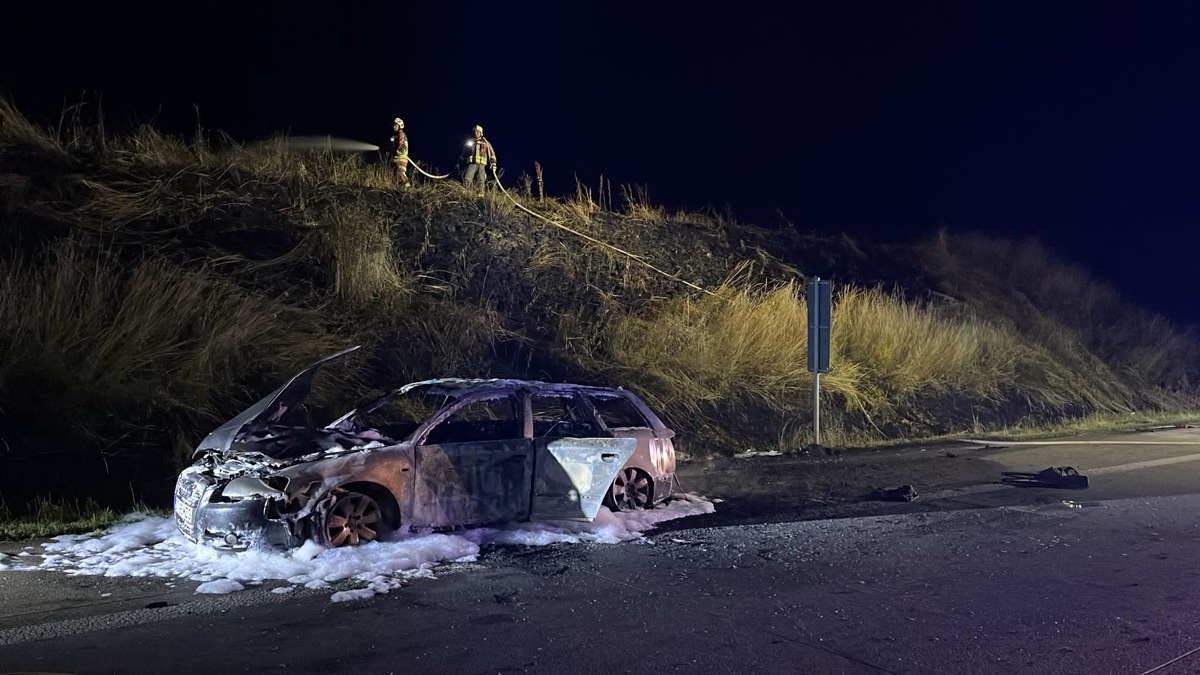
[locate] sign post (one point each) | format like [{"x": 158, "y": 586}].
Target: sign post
[{"x": 819, "y": 314}]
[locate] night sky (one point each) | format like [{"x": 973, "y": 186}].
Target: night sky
[{"x": 1076, "y": 123}]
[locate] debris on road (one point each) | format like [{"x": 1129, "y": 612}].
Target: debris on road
[
  {"x": 747, "y": 454},
  {"x": 1065, "y": 477},
  {"x": 903, "y": 493}
]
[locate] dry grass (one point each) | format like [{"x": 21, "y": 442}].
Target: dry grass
[
  {"x": 115, "y": 345},
  {"x": 409, "y": 264},
  {"x": 16, "y": 131},
  {"x": 442, "y": 337},
  {"x": 638, "y": 206},
  {"x": 47, "y": 517},
  {"x": 902, "y": 347},
  {"x": 747, "y": 347},
  {"x": 365, "y": 272},
  {"x": 692, "y": 352},
  {"x": 1063, "y": 307}
]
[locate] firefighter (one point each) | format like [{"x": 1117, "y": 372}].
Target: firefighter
[
  {"x": 399, "y": 148},
  {"x": 479, "y": 156}
]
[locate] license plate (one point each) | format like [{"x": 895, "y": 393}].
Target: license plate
[
  {"x": 185, "y": 518},
  {"x": 187, "y": 495}
]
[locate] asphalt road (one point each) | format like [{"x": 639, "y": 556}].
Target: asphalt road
[{"x": 973, "y": 577}]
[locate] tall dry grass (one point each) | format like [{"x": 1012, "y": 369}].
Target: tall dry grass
[
  {"x": 365, "y": 272},
  {"x": 639, "y": 207},
  {"x": 409, "y": 264},
  {"x": 903, "y": 347},
  {"x": 1063, "y": 306},
  {"x": 691, "y": 352},
  {"x": 746, "y": 347},
  {"x": 92, "y": 343},
  {"x": 909, "y": 347}
]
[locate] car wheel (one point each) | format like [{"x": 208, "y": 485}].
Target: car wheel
[
  {"x": 630, "y": 491},
  {"x": 352, "y": 518}
]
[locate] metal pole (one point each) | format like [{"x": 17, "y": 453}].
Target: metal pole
[{"x": 816, "y": 408}]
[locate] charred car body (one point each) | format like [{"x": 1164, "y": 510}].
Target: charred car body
[{"x": 438, "y": 453}]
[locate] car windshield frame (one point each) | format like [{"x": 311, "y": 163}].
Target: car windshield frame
[
  {"x": 455, "y": 393},
  {"x": 350, "y": 421}
]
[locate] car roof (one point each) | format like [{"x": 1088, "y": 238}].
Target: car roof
[{"x": 455, "y": 386}]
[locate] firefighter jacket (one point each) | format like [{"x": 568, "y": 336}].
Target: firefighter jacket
[
  {"x": 400, "y": 146},
  {"x": 480, "y": 152}
]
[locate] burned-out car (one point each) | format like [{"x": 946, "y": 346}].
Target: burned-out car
[{"x": 437, "y": 454}]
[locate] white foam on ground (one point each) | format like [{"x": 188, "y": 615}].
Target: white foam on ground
[
  {"x": 146, "y": 546},
  {"x": 220, "y": 587},
  {"x": 757, "y": 453},
  {"x": 607, "y": 528}
]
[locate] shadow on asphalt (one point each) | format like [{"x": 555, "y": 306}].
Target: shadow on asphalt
[{"x": 788, "y": 488}]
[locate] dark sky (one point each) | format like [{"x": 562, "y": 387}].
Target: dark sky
[{"x": 1073, "y": 122}]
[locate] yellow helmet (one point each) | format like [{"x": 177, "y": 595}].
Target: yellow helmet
[
  {"x": 399, "y": 123},
  {"x": 478, "y": 129}
]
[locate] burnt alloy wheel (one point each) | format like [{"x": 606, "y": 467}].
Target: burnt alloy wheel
[
  {"x": 353, "y": 518},
  {"x": 630, "y": 491}
]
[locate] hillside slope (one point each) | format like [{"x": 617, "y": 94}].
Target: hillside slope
[{"x": 154, "y": 286}]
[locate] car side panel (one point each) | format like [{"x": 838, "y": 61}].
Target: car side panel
[
  {"x": 390, "y": 467},
  {"x": 572, "y": 475},
  {"x": 472, "y": 483},
  {"x": 655, "y": 453}
]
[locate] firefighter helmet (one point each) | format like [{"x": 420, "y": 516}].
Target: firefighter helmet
[{"x": 398, "y": 123}]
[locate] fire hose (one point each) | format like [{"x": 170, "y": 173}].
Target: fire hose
[
  {"x": 594, "y": 240},
  {"x": 563, "y": 226},
  {"x": 425, "y": 173}
]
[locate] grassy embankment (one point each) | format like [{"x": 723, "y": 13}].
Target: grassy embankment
[{"x": 152, "y": 286}]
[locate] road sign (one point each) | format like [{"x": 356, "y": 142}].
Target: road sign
[{"x": 819, "y": 313}]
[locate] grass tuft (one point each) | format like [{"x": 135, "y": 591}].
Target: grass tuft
[{"x": 45, "y": 517}]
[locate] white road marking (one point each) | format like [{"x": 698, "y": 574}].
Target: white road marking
[
  {"x": 1143, "y": 465},
  {"x": 1005, "y": 444},
  {"x": 1098, "y": 471}
]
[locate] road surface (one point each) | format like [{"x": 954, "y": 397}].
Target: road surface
[{"x": 973, "y": 577}]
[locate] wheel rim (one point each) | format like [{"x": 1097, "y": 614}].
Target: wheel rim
[
  {"x": 631, "y": 490},
  {"x": 352, "y": 520}
]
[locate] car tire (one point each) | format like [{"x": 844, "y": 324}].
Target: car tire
[
  {"x": 350, "y": 518},
  {"x": 631, "y": 490}
]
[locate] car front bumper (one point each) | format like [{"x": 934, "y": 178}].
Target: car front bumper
[{"x": 230, "y": 525}]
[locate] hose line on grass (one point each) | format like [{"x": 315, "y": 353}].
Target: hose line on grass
[
  {"x": 425, "y": 173},
  {"x": 594, "y": 240},
  {"x": 573, "y": 231}
]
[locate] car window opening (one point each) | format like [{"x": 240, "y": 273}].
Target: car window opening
[
  {"x": 562, "y": 416},
  {"x": 490, "y": 419},
  {"x": 617, "y": 412}
]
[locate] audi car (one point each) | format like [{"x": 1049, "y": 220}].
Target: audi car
[{"x": 440, "y": 453}]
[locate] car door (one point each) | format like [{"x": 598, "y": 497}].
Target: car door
[
  {"x": 624, "y": 416},
  {"x": 575, "y": 461},
  {"x": 475, "y": 465}
]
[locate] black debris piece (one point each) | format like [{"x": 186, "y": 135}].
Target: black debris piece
[
  {"x": 1065, "y": 477},
  {"x": 903, "y": 493},
  {"x": 506, "y": 597}
]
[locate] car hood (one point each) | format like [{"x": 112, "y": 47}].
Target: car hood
[{"x": 268, "y": 410}]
